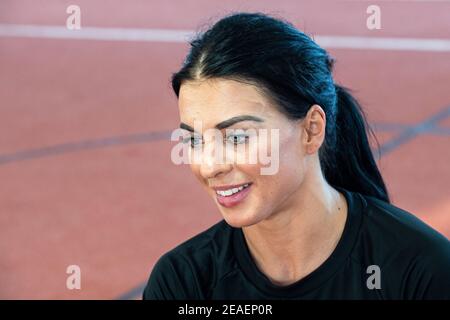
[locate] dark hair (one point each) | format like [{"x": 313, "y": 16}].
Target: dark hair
[{"x": 295, "y": 73}]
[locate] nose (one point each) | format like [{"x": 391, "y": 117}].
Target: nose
[{"x": 213, "y": 161}]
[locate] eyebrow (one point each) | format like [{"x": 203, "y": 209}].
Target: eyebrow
[{"x": 226, "y": 123}]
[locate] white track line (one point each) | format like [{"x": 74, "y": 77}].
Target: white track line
[
  {"x": 95, "y": 33},
  {"x": 180, "y": 36},
  {"x": 406, "y": 44}
]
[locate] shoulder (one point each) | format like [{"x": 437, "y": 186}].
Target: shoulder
[
  {"x": 407, "y": 248},
  {"x": 189, "y": 270},
  {"x": 400, "y": 228}
]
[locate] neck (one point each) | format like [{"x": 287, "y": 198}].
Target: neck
[{"x": 300, "y": 236}]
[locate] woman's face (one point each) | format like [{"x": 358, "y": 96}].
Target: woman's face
[{"x": 213, "y": 101}]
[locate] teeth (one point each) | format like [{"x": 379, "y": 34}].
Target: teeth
[{"x": 229, "y": 192}]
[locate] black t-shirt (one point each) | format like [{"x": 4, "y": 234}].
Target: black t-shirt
[{"x": 384, "y": 253}]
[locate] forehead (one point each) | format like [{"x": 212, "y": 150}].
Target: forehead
[{"x": 214, "y": 100}]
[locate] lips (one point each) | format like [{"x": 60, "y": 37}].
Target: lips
[
  {"x": 232, "y": 195},
  {"x": 231, "y": 186}
]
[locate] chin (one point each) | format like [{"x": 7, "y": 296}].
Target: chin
[{"x": 237, "y": 220}]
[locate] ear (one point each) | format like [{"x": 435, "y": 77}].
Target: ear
[{"x": 314, "y": 129}]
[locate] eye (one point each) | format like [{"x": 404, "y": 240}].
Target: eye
[
  {"x": 237, "y": 138},
  {"x": 193, "y": 141}
]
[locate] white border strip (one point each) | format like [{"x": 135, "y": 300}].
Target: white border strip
[{"x": 182, "y": 36}]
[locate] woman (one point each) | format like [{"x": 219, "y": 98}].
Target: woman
[{"x": 322, "y": 226}]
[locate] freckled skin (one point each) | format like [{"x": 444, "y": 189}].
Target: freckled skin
[{"x": 213, "y": 101}]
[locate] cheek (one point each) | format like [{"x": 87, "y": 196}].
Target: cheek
[
  {"x": 284, "y": 182},
  {"x": 290, "y": 173},
  {"x": 195, "y": 168},
  {"x": 292, "y": 167},
  {"x": 282, "y": 150}
]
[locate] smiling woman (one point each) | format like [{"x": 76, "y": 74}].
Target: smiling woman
[{"x": 318, "y": 226}]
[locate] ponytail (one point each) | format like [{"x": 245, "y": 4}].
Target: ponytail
[{"x": 354, "y": 167}]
